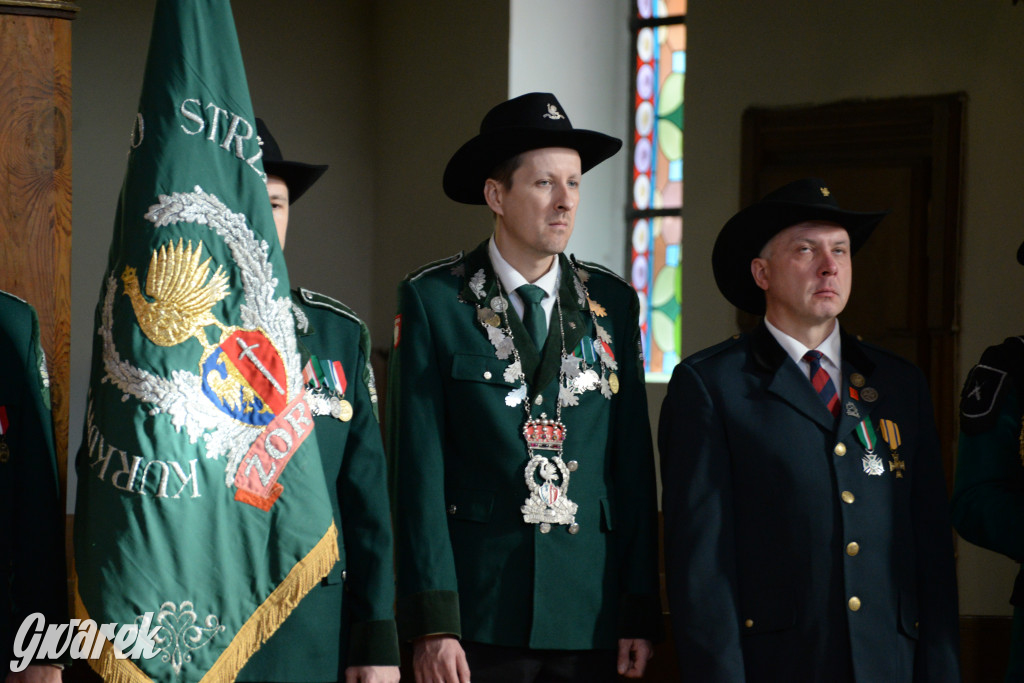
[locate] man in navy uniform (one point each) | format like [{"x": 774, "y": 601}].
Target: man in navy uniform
[
  {"x": 32, "y": 570},
  {"x": 523, "y": 478},
  {"x": 343, "y": 629},
  {"x": 988, "y": 498},
  {"x": 807, "y": 534}
]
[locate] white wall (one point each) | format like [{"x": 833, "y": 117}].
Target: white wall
[{"x": 579, "y": 50}]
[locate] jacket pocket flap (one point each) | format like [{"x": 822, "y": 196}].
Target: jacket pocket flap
[
  {"x": 909, "y": 616},
  {"x": 486, "y": 369}
]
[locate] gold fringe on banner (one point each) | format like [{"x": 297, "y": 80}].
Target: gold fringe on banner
[{"x": 306, "y": 574}]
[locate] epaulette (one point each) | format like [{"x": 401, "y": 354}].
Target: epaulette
[
  {"x": 710, "y": 351},
  {"x": 591, "y": 267},
  {"x": 1000, "y": 367},
  {"x": 13, "y": 296},
  {"x": 319, "y": 300},
  {"x": 434, "y": 265}
]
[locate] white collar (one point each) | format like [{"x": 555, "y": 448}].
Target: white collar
[
  {"x": 511, "y": 279},
  {"x": 831, "y": 348}
]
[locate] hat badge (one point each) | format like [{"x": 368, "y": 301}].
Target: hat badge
[
  {"x": 825, "y": 192},
  {"x": 553, "y": 113}
]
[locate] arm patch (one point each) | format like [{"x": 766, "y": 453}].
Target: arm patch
[{"x": 1000, "y": 367}]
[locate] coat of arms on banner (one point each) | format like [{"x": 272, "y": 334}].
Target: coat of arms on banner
[{"x": 245, "y": 400}]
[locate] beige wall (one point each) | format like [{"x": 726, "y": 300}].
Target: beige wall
[
  {"x": 385, "y": 91},
  {"x": 439, "y": 67}
]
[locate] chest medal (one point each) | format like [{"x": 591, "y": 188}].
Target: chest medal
[
  {"x": 590, "y": 368},
  {"x": 873, "y": 465}
]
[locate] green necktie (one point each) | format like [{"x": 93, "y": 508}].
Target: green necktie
[{"x": 533, "y": 314}]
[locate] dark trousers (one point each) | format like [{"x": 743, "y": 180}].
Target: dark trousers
[{"x": 499, "y": 664}]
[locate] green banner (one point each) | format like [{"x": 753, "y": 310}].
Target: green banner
[{"x": 202, "y": 513}]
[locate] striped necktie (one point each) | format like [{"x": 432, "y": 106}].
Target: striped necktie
[
  {"x": 533, "y": 314},
  {"x": 822, "y": 382}
]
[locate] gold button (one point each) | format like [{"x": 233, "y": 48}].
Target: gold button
[
  {"x": 840, "y": 449},
  {"x": 749, "y": 623},
  {"x": 452, "y": 509},
  {"x": 487, "y": 374},
  {"x": 852, "y": 548},
  {"x": 848, "y": 497},
  {"x": 854, "y": 603}
]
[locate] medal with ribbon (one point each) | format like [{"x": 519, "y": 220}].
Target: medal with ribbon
[
  {"x": 327, "y": 383},
  {"x": 873, "y": 465},
  {"x": 891, "y": 433}
]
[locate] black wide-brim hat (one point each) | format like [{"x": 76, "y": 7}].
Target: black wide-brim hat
[
  {"x": 298, "y": 176},
  {"x": 527, "y": 122},
  {"x": 743, "y": 237}
]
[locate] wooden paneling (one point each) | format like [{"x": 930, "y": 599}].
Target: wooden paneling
[{"x": 35, "y": 185}]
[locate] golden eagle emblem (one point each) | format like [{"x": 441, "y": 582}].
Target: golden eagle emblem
[{"x": 181, "y": 295}]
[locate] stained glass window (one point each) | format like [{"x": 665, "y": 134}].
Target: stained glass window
[{"x": 654, "y": 218}]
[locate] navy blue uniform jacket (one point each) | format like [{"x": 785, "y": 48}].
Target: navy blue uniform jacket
[{"x": 785, "y": 559}]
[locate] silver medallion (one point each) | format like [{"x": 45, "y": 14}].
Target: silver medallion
[
  {"x": 873, "y": 465},
  {"x": 499, "y": 304},
  {"x": 585, "y": 381},
  {"x": 547, "y": 478},
  {"x": 548, "y": 481}
]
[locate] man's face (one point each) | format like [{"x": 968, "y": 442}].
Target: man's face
[
  {"x": 278, "y": 192},
  {"x": 537, "y": 213},
  {"x": 806, "y": 274}
]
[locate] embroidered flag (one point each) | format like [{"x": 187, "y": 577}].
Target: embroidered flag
[{"x": 201, "y": 497}]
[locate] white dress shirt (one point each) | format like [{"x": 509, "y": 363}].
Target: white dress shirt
[
  {"x": 511, "y": 279},
  {"x": 831, "y": 353}
]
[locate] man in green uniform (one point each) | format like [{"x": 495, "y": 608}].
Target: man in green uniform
[
  {"x": 988, "y": 498},
  {"x": 343, "y": 629},
  {"x": 32, "y": 574},
  {"x": 522, "y": 473},
  {"x": 807, "y": 533}
]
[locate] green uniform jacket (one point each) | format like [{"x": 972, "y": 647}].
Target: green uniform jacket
[
  {"x": 32, "y": 574},
  {"x": 988, "y": 499},
  {"x": 348, "y": 620},
  {"x": 467, "y": 562}
]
